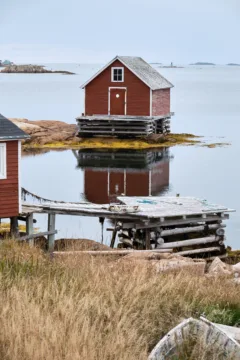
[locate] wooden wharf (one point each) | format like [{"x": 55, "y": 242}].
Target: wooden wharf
[
  {"x": 184, "y": 225},
  {"x": 122, "y": 125}
]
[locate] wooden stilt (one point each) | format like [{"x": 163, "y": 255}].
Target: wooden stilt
[
  {"x": 147, "y": 239},
  {"x": 114, "y": 234},
  {"x": 51, "y": 227},
  {"x": 101, "y": 220},
  {"x": 14, "y": 231},
  {"x": 29, "y": 228}
]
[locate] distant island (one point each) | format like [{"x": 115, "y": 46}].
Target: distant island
[
  {"x": 203, "y": 63},
  {"x": 31, "y": 69},
  {"x": 232, "y": 64}
]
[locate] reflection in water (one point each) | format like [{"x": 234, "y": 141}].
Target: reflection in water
[{"x": 108, "y": 174}]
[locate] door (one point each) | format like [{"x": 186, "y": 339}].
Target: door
[{"x": 117, "y": 101}]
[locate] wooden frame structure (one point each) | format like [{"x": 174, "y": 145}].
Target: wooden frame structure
[
  {"x": 187, "y": 226},
  {"x": 123, "y": 126}
]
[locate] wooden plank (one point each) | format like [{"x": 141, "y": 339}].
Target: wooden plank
[
  {"x": 110, "y": 252},
  {"x": 51, "y": 229},
  {"x": 30, "y": 229}
]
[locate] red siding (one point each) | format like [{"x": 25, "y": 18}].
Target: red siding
[
  {"x": 160, "y": 102},
  {"x": 9, "y": 199},
  {"x": 96, "y": 93}
]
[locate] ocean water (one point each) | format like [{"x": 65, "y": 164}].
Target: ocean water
[{"x": 206, "y": 101}]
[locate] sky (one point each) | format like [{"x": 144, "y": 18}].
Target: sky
[{"x": 94, "y": 31}]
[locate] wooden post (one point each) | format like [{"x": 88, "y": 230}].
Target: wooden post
[
  {"x": 101, "y": 220},
  {"x": 148, "y": 245},
  {"x": 29, "y": 228},
  {"x": 51, "y": 227},
  {"x": 114, "y": 234},
  {"x": 14, "y": 232}
]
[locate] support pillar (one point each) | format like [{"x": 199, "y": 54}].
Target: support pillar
[
  {"x": 29, "y": 228},
  {"x": 14, "y": 231},
  {"x": 51, "y": 227}
]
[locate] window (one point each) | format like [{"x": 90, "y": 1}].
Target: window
[
  {"x": 3, "y": 161},
  {"x": 117, "y": 74}
]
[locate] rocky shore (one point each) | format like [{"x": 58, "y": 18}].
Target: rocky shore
[
  {"x": 31, "y": 69},
  {"x": 54, "y": 134}
]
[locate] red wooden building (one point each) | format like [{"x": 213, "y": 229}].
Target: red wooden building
[
  {"x": 126, "y": 87},
  {"x": 10, "y": 156}
]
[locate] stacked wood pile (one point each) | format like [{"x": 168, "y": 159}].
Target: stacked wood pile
[
  {"x": 123, "y": 126},
  {"x": 189, "y": 237}
]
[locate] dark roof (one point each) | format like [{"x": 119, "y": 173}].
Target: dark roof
[
  {"x": 150, "y": 76},
  {"x": 10, "y": 131}
]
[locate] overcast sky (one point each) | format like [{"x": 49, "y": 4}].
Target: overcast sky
[{"x": 181, "y": 31}]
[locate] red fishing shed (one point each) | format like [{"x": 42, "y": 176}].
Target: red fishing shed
[
  {"x": 10, "y": 157},
  {"x": 126, "y": 88}
]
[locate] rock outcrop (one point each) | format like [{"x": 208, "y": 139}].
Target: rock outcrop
[
  {"x": 32, "y": 69},
  {"x": 47, "y": 131}
]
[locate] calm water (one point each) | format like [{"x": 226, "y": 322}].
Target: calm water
[{"x": 206, "y": 102}]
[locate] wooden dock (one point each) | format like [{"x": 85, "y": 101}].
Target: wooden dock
[
  {"x": 188, "y": 226},
  {"x": 123, "y": 126}
]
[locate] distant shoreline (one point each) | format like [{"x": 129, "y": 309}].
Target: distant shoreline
[{"x": 32, "y": 69}]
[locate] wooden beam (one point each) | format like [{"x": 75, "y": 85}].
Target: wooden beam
[
  {"x": 114, "y": 234},
  {"x": 51, "y": 228},
  {"x": 30, "y": 229},
  {"x": 111, "y": 252},
  {"x": 183, "y": 243},
  {"x": 14, "y": 231},
  {"x": 147, "y": 239},
  {"x": 190, "y": 229}
]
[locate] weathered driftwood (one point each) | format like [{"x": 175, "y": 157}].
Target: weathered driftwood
[{"x": 109, "y": 252}]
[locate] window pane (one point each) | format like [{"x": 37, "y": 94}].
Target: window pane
[
  {"x": 115, "y": 78},
  {"x": 119, "y": 71},
  {"x": 115, "y": 71}
]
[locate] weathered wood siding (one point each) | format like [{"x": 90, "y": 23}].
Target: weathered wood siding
[
  {"x": 160, "y": 102},
  {"x": 9, "y": 196},
  {"x": 96, "y": 93}
]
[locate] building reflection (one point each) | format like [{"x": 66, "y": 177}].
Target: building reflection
[{"x": 109, "y": 174}]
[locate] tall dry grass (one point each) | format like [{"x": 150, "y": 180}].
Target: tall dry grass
[{"x": 95, "y": 309}]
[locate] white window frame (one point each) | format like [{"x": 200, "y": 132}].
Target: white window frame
[
  {"x": 3, "y": 161},
  {"x": 117, "y": 68}
]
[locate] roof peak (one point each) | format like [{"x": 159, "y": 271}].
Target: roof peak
[{"x": 139, "y": 67}]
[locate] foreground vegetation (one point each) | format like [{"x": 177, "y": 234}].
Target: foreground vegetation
[{"x": 98, "y": 309}]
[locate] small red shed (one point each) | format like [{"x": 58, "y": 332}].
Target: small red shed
[
  {"x": 10, "y": 156},
  {"x": 127, "y": 86}
]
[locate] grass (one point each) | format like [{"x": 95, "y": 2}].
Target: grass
[
  {"x": 114, "y": 143},
  {"x": 98, "y": 309}
]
